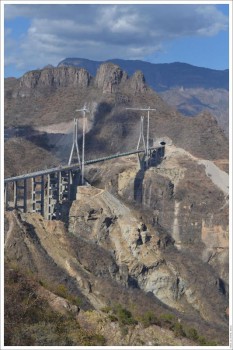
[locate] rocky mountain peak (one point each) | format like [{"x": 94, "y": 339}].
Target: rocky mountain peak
[
  {"x": 109, "y": 76},
  {"x": 137, "y": 82},
  {"x": 55, "y": 77}
]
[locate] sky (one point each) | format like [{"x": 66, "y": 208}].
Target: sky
[{"x": 38, "y": 35}]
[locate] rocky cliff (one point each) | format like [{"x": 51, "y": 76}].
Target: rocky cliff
[
  {"x": 55, "y": 78},
  {"x": 191, "y": 90},
  {"x": 49, "y": 98},
  {"x": 150, "y": 240},
  {"x": 118, "y": 245}
]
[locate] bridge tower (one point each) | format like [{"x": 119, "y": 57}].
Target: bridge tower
[
  {"x": 147, "y": 151},
  {"x": 141, "y": 136},
  {"x": 84, "y": 110},
  {"x": 75, "y": 142}
]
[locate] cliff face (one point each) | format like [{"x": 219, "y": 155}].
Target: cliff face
[
  {"x": 112, "y": 253},
  {"x": 146, "y": 259},
  {"x": 54, "y": 78},
  {"x": 189, "y": 89},
  {"x": 154, "y": 240},
  {"x": 109, "y": 78},
  {"x": 180, "y": 197},
  {"x": 50, "y": 96}
]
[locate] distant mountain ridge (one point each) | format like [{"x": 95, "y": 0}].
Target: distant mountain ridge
[
  {"x": 162, "y": 76},
  {"x": 190, "y": 89}
]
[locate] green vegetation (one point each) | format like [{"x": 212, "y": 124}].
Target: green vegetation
[
  {"x": 124, "y": 316},
  {"x": 118, "y": 313},
  {"x": 170, "y": 321},
  {"x": 62, "y": 291},
  {"x": 167, "y": 320},
  {"x": 149, "y": 318},
  {"x": 30, "y": 321}
]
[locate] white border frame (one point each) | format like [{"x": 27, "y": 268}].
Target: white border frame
[{"x": 201, "y": 2}]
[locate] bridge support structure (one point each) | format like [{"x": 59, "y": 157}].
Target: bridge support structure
[
  {"x": 19, "y": 195},
  {"x": 53, "y": 190},
  {"x": 6, "y": 196},
  {"x": 38, "y": 194},
  {"x": 51, "y": 193}
]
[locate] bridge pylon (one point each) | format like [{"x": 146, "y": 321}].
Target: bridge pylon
[
  {"x": 84, "y": 110},
  {"x": 141, "y": 135},
  {"x": 75, "y": 142},
  {"x": 146, "y": 147}
]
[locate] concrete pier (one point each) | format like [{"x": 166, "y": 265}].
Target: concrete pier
[
  {"x": 38, "y": 194},
  {"x": 20, "y": 195},
  {"x": 53, "y": 190}
]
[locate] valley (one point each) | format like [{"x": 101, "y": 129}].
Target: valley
[{"x": 141, "y": 256}]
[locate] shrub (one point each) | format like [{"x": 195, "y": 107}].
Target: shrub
[
  {"x": 106, "y": 309},
  {"x": 203, "y": 341},
  {"x": 30, "y": 321},
  {"x": 149, "y": 318},
  {"x": 124, "y": 316},
  {"x": 98, "y": 339},
  {"x": 167, "y": 320},
  {"x": 179, "y": 330},
  {"x": 63, "y": 292},
  {"x": 112, "y": 318},
  {"x": 192, "y": 334}
]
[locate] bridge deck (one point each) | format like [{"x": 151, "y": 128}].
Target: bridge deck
[{"x": 73, "y": 166}]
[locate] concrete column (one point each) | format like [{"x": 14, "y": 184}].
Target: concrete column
[
  {"x": 25, "y": 195},
  {"x": 42, "y": 196},
  {"x": 70, "y": 178},
  {"x": 59, "y": 186},
  {"x": 38, "y": 195},
  {"x": 33, "y": 195},
  {"x": 6, "y": 196},
  {"x": 15, "y": 195},
  {"x": 48, "y": 198}
]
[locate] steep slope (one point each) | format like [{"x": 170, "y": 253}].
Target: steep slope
[
  {"x": 130, "y": 262},
  {"x": 51, "y": 96},
  {"x": 53, "y": 318},
  {"x": 192, "y": 101},
  {"x": 153, "y": 240},
  {"x": 188, "y": 88},
  {"x": 22, "y": 156}
]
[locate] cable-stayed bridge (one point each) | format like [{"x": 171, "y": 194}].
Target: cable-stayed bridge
[
  {"x": 48, "y": 191},
  {"x": 52, "y": 186}
]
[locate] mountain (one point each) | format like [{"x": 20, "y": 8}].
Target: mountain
[
  {"x": 163, "y": 76},
  {"x": 189, "y": 88},
  {"x": 50, "y": 96},
  {"x": 144, "y": 251}
]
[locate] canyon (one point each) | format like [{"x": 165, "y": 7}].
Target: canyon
[{"x": 135, "y": 239}]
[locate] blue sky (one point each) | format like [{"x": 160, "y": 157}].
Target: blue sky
[{"x": 37, "y": 35}]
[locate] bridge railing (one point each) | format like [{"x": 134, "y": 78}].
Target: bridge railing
[
  {"x": 51, "y": 187},
  {"x": 73, "y": 166}
]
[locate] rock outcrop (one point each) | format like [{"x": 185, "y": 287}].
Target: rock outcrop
[
  {"x": 160, "y": 244},
  {"x": 137, "y": 83},
  {"x": 109, "y": 76},
  {"x": 53, "y": 78}
]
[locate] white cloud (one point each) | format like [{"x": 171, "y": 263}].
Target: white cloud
[{"x": 105, "y": 31}]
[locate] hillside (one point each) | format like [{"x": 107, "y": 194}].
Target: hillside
[
  {"x": 50, "y": 96},
  {"x": 161, "y": 76},
  {"x": 189, "y": 89},
  {"x": 141, "y": 256}
]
